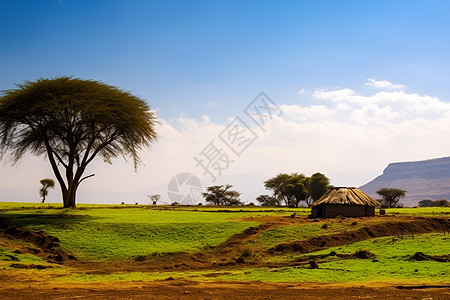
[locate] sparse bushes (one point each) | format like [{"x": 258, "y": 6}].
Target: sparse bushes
[
  {"x": 436, "y": 203},
  {"x": 266, "y": 200},
  {"x": 425, "y": 203},
  {"x": 441, "y": 203}
]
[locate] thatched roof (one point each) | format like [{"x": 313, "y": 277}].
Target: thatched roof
[{"x": 345, "y": 195}]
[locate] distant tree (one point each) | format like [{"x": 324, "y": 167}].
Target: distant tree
[
  {"x": 154, "y": 198},
  {"x": 293, "y": 188},
  {"x": 391, "y": 196},
  {"x": 441, "y": 203},
  {"x": 278, "y": 186},
  {"x": 318, "y": 185},
  {"x": 46, "y": 184},
  {"x": 71, "y": 121},
  {"x": 297, "y": 188},
  {"x": 266, "y": 200},
  {"x": 425, "y": 203},
  {"x": 222, "y": 195}
]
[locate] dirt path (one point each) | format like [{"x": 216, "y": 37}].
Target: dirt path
[{"x": 180, "y": 289}]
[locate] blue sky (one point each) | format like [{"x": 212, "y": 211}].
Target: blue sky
[
  {"x": 208, "y": 57},
  {"x": 376, "y": 70}
]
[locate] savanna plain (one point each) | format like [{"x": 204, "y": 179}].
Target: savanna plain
[{"x": 206, "y": 252}]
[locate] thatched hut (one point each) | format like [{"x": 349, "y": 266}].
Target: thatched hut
[{"x": 344, "y": 201}]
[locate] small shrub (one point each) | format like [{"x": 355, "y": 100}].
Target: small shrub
[{"x": 247, "y": 252}]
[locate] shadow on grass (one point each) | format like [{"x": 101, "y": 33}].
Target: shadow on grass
[{"x": 20, "y": 219}]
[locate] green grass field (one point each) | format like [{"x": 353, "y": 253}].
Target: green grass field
[
  {"x": 296, "y": 232},
  {"x": 392, "y": 262},
  {"x": 107, "y": 233},
  {"x": 118, "y": 233}
]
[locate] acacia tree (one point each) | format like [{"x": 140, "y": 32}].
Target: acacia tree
[
  {"x": 46, "y": 184},
  {"x": 71, "y": 121},
  {"x": 318, "y": 185},
  {"x": 279, "y": 187},
  {"x": 154, "y": 198},
  {"x": 391, "y": 196},
  {"x": 222, "y": 195},
  {"x": 294, "y": 188}
]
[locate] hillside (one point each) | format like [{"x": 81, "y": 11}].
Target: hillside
[{"x": 428, "y": 179}]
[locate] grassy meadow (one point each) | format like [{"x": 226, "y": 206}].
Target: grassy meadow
[
  {"x": 122, "y": 232},
  {"x": 391, "y": 262},
  {"x": 102, "y": 233}
]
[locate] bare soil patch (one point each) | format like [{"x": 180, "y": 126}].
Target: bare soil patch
[{"x": 186, "y": 289}]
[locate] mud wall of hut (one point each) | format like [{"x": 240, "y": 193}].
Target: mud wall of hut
[{"x": 334, "y": 210}]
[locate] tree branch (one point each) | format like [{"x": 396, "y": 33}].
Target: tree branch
[
  {"x": 55, "y": 166},
  {"x": 86, "y": 177}
]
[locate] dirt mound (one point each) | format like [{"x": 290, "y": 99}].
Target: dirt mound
[
  {"x": 421, "y": 256},
  {"x": 46, "y": 246},
  {"x": 27, "y": 266},
  {"x": 362, "y": 254},
  {"x": 400, "y": 228},
  {"x": 308, "y": 259},
  {"x": 37, "y": 238}
]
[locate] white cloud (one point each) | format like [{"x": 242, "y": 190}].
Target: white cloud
[
  {"x": 393, "y": 106},
  {"x": 300, "y": 113},
  {"x": 334, "y": 96},
  {"x": 302, "y": 91},
  {"x": 383, "y": 84}
]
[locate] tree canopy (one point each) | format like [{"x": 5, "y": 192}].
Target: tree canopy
[
  {"x": 71, "y": 121},
  {"x": 318, "y": 184},
  {"x": 426, "y": 203},
  {"x": 297, "y": 189},
  {"x": 441, "y": 203},
  {"x": 391, "y": 196},
  {"x": 293, "y": 188},
  {"x": 222, "y": 195},
  {"x": 278, "y": 185}
]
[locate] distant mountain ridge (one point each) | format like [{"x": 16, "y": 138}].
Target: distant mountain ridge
[{"x": 427, "y": 179}]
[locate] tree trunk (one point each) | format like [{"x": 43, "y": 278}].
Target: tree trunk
[{"x": 69, "y": 197}]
